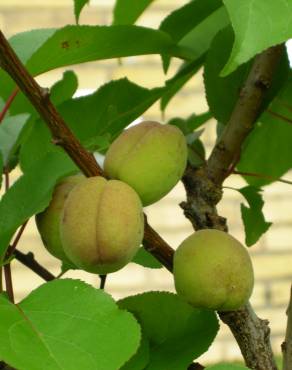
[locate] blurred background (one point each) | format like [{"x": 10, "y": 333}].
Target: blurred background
[{"x": 272, "y": 255}]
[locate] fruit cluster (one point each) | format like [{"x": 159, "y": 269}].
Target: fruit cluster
[{"x": 97, "y": 224}]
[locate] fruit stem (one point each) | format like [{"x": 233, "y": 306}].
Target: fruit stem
[
  {"x": 102, "y": 281},
  {"x": 7, "y": 104}
]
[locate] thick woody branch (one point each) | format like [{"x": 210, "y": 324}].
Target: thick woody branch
[
  {"x": 226, "y": 153},
  {"x": 287, "y": 345},
  {"x": 204, "y": 190},
  {"x": 63, "y": 136},
  {"x": 40, "y": 99}
]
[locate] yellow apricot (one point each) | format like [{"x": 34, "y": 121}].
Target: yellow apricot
[
  {"x": 102, "y": 225},
  {"x": 213, "y": 270},
  {"x": 48, "y": 221},
  {"x": 150, "y": 157}
]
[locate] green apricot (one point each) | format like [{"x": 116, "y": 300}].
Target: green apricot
[
  {"x": 102, "y": 225},
  {"x": 213, "y": 270},
  {"x": 150, "y": 157},
  {"x": 48, "y": 221}
]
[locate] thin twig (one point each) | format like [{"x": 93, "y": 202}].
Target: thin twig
[
  {"x": 7, "y": 266},
  {"x": 262, "y": 176},
  {"x": 7, "y": 104},
  {"x": 29, "y": 261},
  {"x": 16, "y": 240},
  {"x": 287, "y": 345},
  {"x": 8, "y": 282},
  {"x": 280, "y": 116}
]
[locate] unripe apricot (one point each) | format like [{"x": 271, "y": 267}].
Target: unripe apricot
[
  {"x": 150, "y": 157},
  {"x": 213, "y": 270},
  {"x": 48, "y": 221},
  {"x": 102, "y": 225}
]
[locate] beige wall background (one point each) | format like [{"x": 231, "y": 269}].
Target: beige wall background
[{"x": 272, "y": 256}]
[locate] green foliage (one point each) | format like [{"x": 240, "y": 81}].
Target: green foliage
[
  {"x": 78, "y": 6},
  {"x": 192, "y": 22},
  {"x": 95, "y": 119},
  {"x": 227, "y": 367},
  {"x": 267, "y": 150},
  {"x": 253, "y": 218},
  {"x": 257, "y": 24},
  {"x": 9, "y": 130},
  {"x": 222, "y": 92},
  {"x": 168, "y": 322},
  {"x": 175, "y": 84},
  {"x": 69, "y": 325},
  {"x": 31, "y": 193},
  {"x": 128, "y": 11},
  {"x": 146, "y": 259}
]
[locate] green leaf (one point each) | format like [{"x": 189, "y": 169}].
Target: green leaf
[
  {"x": 173, "y": 85},
  {"x": 177, "y": 332},
  {"x": 9, "y": 133},
  {"x": 146, "y": 259},
  {"x": 65, "y": 88},
  {"x": 193, "y": 122},
  {"x": 78, "y": 6},
  {"x": 70, "y": 325},
  {"x": 198, "y": 41},
  {"x": 223, "y": 92},
  {"x": 101, "y": 115},
  {"x": 1, "y": 168},
  {"x": 257, "y": 24},
  {"x": 31, "y": 193},
  {"x": 53, "y": 48},
  {"x": 227, "y": 367},
  {"x": 128, "y": 11},
  {"x": 79, "y": 44},
  {"x": 141, "y": 357},
  {"x": 267, "y": 150},
  {"x": 253, "y": 217},
  {"x": 195, "y": 20}
]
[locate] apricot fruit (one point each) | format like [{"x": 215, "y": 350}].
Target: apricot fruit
[
  {"x": 102, "y": 225},
  {"x": 213, "y": 270},
  {"x": 48, "y": 221},
  {"x": 150, "y": 157}
]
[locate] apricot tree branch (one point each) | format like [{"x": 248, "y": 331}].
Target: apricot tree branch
[
  {"x": 204, "y": 191},
  {"x": 244, "y": 115},
  {"x": 63, "y": 136},
  {"x": 287, "y": 345},
  {"x": 29, "y": 261}
]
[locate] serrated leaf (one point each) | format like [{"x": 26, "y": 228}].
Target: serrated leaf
[
  {"x": 145, "y": 259},
  {"x": 65, "y": 88},
  {"x": 103, "y": 114},
  {"x": 223, "y": 92},
  {"x": 177, "y": 332},
  {"x": 89, "y": 331},
  {"x": 253, "y": 218},
  {"x": 9, "y": 132},
  {"x": 31, "y": 193},
  {"x": 173, "y": 85},
  {"x": 268, "y": 149},
  {"x": 187, "y": 20},
  {"x": 78, "y": 6},
  {"x": 227, "y": 367},
  {"x": 141, "y": 357},
  {"x": 79, "y": 44},
  {"x": 53, "y": 48},
  {"x": 128, "y": 11},
  {"x": 257, "y": 24}
]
